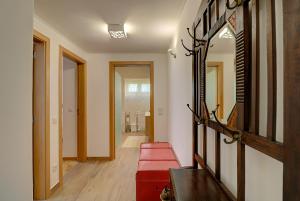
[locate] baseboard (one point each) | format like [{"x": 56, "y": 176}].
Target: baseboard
[
  {"x": 175, "y": 155},
  {"x": 98, "y": 158},
  {"x": 70, "y": 158},
  {"x": 54, "y": 189},
  {"x": 88, "y": 158}
]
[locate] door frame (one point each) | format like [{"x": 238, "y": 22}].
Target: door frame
[
  {"x": 112, "y": 66},
  {"x": 220, "y": 86},
  {"x": 81, "y": 111},
  {"x": 42, "y": 185}
]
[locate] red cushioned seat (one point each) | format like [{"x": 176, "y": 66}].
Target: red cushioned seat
[
  {"x": 151, "y": 178},
  {"x": 157, "y": 165},
  {"x": 157, "y": 155},
  {"x": 155, "y": 145}
]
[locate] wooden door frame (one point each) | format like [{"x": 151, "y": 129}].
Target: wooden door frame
[
  {"x": 112, "y": 66},
  {"x": 82, "y": 108},
  {"x": 220, "y": 86},
  {"x": 42, "y": 190}
]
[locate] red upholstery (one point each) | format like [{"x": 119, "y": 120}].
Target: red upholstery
[
  {"x": 157, "y": 155},
  {"x": 156, "y": 145},
  {"x": 157, "y": 165},
  {"x": 151, "y": 178},
  {"x": 153, "y": 170}
]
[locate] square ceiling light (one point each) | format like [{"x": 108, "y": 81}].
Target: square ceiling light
[{"x": 117, "y": 31}]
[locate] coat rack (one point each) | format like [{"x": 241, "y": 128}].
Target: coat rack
[
  {"x": 196, "y": 44},
  {"x": 237, "y": 4},
  {"x": 190, "y": 52},
  {"x": 198, "y": 119},
  {"x": 236, "y": 134}
]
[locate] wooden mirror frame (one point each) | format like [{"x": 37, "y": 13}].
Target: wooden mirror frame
[
  {"x": 209, "y": 28},
  {"x": 203, "y": 67}
]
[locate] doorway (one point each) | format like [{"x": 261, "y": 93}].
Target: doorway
[
  {"x": 214, "y": 83},
  {"x": 131, "y": 104},
  {"x": 72, "y": 111},
  {"x": 41, "y": 116}
]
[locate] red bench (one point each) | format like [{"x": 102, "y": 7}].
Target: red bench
[
  {"x": 156, "y": 145},
  {"x": 157, "y": 155},
  {"x": 153, "y": 170}
]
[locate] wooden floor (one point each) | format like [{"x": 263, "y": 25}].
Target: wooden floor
[
  {"x": 68, "y": 165},
  {"x": 133, "y": 140},
  {"x": 101, "y": 181}
]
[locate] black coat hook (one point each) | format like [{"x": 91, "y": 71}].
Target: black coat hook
[
  {"x": 236, "y": 134},
  {"x": 187, "y": 49},
  {"x": 201, "y": 42},
  {"x": 190, "y": 52},
  {"x": 198, "y": 23},
  {"x": 216, "y": 109},
  {"x": 198, "y": 118},
  {"x": 237, "y": 4}
]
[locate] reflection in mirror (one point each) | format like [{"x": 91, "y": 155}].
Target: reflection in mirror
[{"x": 220, "y": 73}]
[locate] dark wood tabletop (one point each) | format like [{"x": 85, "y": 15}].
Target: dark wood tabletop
[{"x": 195, "y": 185}]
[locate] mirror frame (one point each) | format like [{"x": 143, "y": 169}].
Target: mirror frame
[
  {"x": 238, "y": 118},
  {"x": 203, "y": 30},
  {"x": 247, "y": 36},
  {"x": 230, "y": 119}
]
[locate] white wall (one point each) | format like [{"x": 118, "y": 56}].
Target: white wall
[
  {"x": 16, "y": 100},
  {"x": 56, "y": 39},
  {"x": 280, "y": 72},
  {"x": 263, "y": 71},
  {"x": 70, "y": 84},
  {"x": 264, "y": 177},
  {"x": 98, "y": 95},
  {"x": 180, "y": 88},
  {"x": 263, "y": 173}
]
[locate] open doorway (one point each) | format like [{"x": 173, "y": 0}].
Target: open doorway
[
  {"x": 72, "y": 111},
  {"x": 215, "y": 85},
  {"x": 131, "y": 105},
  {"x": 41, "y": 116}
]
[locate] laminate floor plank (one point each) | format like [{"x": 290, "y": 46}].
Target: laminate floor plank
[{"x": 101, "y": 180}]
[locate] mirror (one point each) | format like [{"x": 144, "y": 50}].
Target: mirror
[{"x": 221, "y": 73}]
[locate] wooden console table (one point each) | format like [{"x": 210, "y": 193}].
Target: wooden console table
[{"x": 195, "y": 185}]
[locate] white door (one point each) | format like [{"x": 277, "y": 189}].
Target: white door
[{"x": 69, "y": 108}]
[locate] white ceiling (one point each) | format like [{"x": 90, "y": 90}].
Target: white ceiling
[{"x": 151, "y": 24}]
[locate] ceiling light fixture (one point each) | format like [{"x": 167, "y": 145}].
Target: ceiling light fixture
[
  {"x": 226, "y": 33},
  {"x": 117, "y": 31}
]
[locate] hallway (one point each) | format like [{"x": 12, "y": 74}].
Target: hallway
[
  {"x": 210, "y": 86},
  {"x": 101, "y": 180}
]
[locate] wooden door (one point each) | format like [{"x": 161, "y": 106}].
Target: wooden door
[{"x": 39, "y": 121}]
